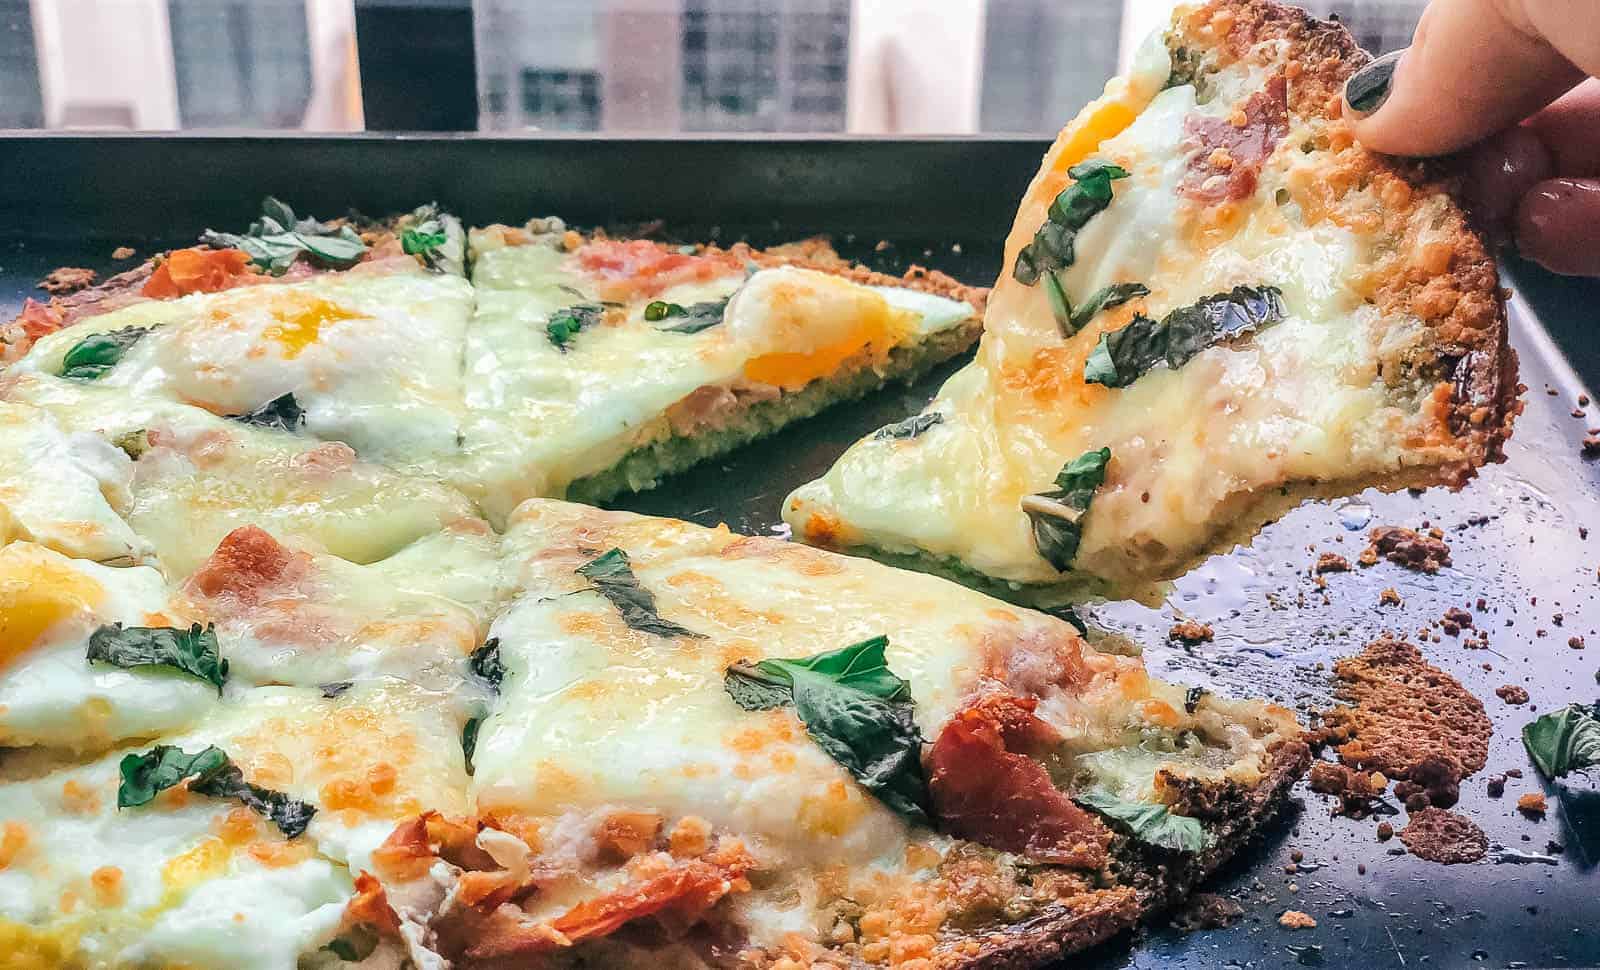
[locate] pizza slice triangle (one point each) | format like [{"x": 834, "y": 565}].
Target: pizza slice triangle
[{"x": 1214, "y": 304}]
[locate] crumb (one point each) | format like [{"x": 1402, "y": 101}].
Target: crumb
[
  {"x": 1389, "y": 597},
  {"x": 882, "y": 246},
  {"x": 1461, "y": 618},
  {"x": 1575, "y": 643},
  {"x": 1408, "y": 548},
  {"x": 122, "y": 252},
  {"x": 1532, "y": 805},
  {"x": 1206, "y": 911},
  {"x": 1190, "y": 631},
  {"x": 1591, "y": 446},
  {"x": 1583, "y": 400},
  {"x": 1293, "y": 919},
  {"x": 1436, "y": 835},
  {"x": 1361, "y": 868},
  {"x": 1579, "y": 413},
  {"x": 1297, "y": 856},
  {"x": 1331, "y": 562},
  {"x": 1512, "y": 694},
  {"x": 1356, "y": 789},
  {"x": 1497, "y": 786},
  {"x": 1385, "y": 831},
  {"x": 1513, "y": 772},
  {"x": 67, "y": 279}
]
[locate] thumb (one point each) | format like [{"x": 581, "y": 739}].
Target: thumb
[{"x": 1474, "y": 68}]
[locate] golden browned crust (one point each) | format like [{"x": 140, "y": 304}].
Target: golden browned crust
[
  {"x": 1436, "y": 835},
  {"x": 1403, "y": 712},
  {"x": 1433, "y": 264},
  {"x": 1157, "y": 879}
]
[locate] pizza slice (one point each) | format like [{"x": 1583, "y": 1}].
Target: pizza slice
[
  {"x": 239, "y": 843},
  {"x": 599, "y": 365},
  {"x": 705, "y": 749},
  {"x": 1214, "y": 305}
]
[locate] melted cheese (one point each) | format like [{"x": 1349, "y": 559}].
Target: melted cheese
[
  {"x": 373, "y": 355},
  {"x": 49, "y": 692},
  {"x": 1302, "y": 401},
  {"x": 541, "y": 417},
  {"x": 63, "y": 489}
]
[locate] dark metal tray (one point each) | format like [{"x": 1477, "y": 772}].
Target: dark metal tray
[{"x": 1514, "y": 532}]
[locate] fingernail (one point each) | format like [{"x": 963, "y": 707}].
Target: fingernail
[{"x": 1368, "y": 88}]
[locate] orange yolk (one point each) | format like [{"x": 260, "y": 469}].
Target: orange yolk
[
  {"x": 300, "y": 323},
  {"x": 36, "y": 593},
  {"x": 878, "y": 331}
]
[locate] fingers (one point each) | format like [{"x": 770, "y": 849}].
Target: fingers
[
  {"x": 1474, "y": 68},
  {"x": 1570, "y": 129},
  {"x": 1558, "y": 226},
  {"x": 1500, "y": 171}
]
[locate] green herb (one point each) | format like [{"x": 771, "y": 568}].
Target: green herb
[
  {"x": 565, "y": 324},
  {"x": 277, "y": 239},
  {"x": 355, "y": 944},
  {"x": 485, "y": 662},
  {"x": 1564, "y": 741},
  {"x": 1148, "y": 822},
  {"x": 193, "y": 651},
  {"x": 336, "y": 688},
  {"x": 469, "y": 740},
  {"x": 911, "y": 427},
  {"x": 855, "y": 709},
  {"x": 97, "y": 353},
  {"x": 282, "y": 413},
  {"x": 425, "y": 236},
  {"x": 1122, "y": 356},
  {"x": 1057, "y": 515},
  {"x": 1104, "y": 299},
  {"x": 613, "y": 578},
  {"x": 1191, "y": 699},
  {"x": 1052, "y": 246},
  {"x": 696, "y": 316},
  {"x": 215, "y": 775}
]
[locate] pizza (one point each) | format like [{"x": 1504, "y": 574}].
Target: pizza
[{"x": 1214, "y": 305}]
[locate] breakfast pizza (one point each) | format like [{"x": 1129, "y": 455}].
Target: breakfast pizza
[{"x": 1214, "y": 304}]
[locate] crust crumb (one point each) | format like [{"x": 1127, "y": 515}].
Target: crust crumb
[
  {"x": 1331, "y": 562},
  {"x": 1293, "y": 919},
  {"x": 1406, "y": 547},
  {"x": 1191, "y": 631},
  {"x": 122, "y": 252},
  {"x": 1389, "y": 597},
  {"x": 1511, "y": 694},
  {"x": 67, "y": 279},
  {"x": 1533, "y": 805},
  {"x": 1206, "y": 911},
  {"x": 1436, "y": 835}
]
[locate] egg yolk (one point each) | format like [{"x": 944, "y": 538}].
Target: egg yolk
[
  {"x": 300, "y": 322},
  {"x": 36, "y": 593}
]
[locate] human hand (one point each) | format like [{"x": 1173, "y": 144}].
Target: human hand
[{"x": 1508, "y": 79}]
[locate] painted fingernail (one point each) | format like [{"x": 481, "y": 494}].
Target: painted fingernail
[{"x": 1368, "y": 88}]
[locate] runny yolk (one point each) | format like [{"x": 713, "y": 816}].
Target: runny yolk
[
  {"x": 300, "y": 323},
  {"x": 878, "y": 330},
  {"x": 36, "y": 593}
]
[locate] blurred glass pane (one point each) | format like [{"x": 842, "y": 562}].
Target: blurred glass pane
[
  {"x": 1043, "y": 61},
  {"x": 241, "y": 63},
  {"x": 21, "y": 105}
]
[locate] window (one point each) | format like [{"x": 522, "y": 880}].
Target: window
[{"x": 561, "y": 100}]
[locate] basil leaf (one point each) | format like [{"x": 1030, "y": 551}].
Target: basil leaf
[
  {"x": 876, "y": 740},
  {"x": 193, "y": 651},
  {"x": 1564, "y": 741},
  {"x": 1057, "y": 515},
  {"x": 696, "y": 316},
  {"x": 1148, "y": 822},
  {"x": 282, "y": 413},
  {"x": 1103, "y": 299},
  {"x": 421, "y": 241},
  {"x": 335, "y": 688},
  {"x": 613, "y": 578},
  {"x": 485, "y": 662},
  {"x": 469, "y": 740},
  {"x": 1060, "y": 306},
  {"x": 1122, "y": 356},
  {"x": 163, "y": 766},
  {"x": 427, "y": 237},
  {"x": 565, "y": 324},
  {"x": 909, "y": 428},
  {"x": 277, "y": 239},
  {"x": 146, "y": 775},
  {"x": 1053, "y": 244},
  {"x": 855, "y": 709},
  {"x": 92, "y": 356}
]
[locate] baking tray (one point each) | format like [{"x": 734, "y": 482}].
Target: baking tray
[{"x": 946, "y": 203}]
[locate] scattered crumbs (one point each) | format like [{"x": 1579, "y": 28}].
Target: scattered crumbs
[
  {"x": 882, "y": 246},
  {"x": 1390, "y": 597},
  {"x": 1583, "y": 400},
  {"x": 122, "y": 252},
  {"x": 1575, "y": 643},
  {"x": 1408, "y": 548},
  {"x": 1512, "y": 694},
  {"x": 1191, "y": 631},
  {"x": 1513, "y": 772},
  {"x": 1591, "y": 446},
  {"x": 1331, "y": 562},
  {"x": 1532, "y": 805},
  {"x": 1550, "y": 390},
  {"x": 1356, "y": 789},
  {"x": 1385, "y": 831},
  {"x": 1361, "y": 868},
  {"x": 1293, "y": 919},
  {"x": 1206, "y": 911},
  {"x": 1579, "y": 413},
  {"x": 67, "y": 279},
  {"x": 1439, "y": 836},
  {"x": 1497, "y": 785}
]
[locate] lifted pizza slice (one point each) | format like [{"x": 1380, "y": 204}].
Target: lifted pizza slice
[
  {"x": 705, "y": 749},
  {"x": 1214, "y": 304},
  {"x": 597, "y": 365}
]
